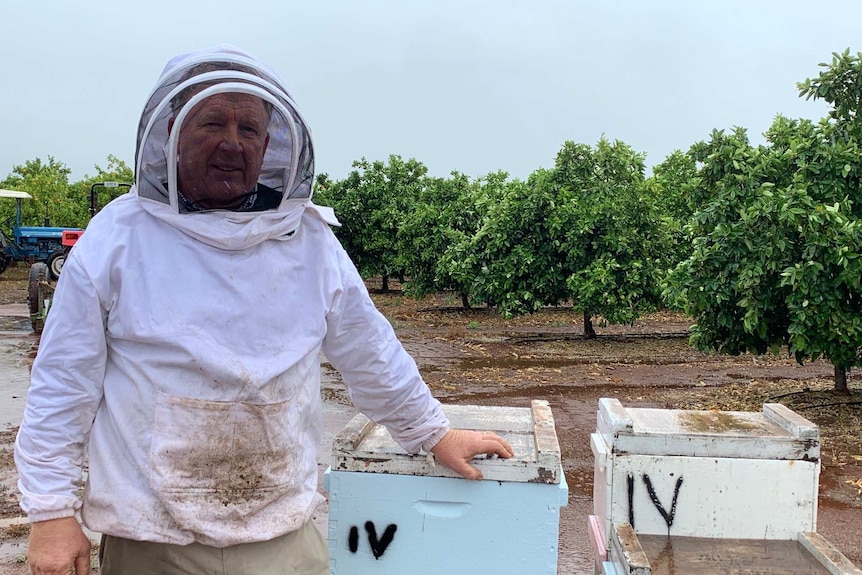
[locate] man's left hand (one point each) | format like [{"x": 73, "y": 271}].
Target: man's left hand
[{"x": 459, "y": 446}]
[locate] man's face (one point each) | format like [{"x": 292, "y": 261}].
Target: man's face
[{"x": 221, "y": 148}]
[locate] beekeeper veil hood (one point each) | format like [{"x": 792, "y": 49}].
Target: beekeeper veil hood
[{"x": 223, "y": 153}]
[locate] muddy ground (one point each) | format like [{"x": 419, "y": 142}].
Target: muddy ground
[{"x": 477, "y": 357}]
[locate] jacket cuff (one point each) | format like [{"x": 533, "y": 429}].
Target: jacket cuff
[
  {"x": 432, "y": 441},
  {"x": 48, "y": 515}
]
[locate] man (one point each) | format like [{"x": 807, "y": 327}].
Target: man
[{"x": 182, "y": 349}]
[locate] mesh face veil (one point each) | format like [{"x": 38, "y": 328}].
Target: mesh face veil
[
  {"x": 193, "y": 87},
  {"x": 223, "y": 154}
]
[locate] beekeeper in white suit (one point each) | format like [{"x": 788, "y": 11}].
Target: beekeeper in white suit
[{"x": 182, "y": 350}]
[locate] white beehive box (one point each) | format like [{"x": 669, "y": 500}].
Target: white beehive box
[
  {"x": 717, "y": 474},
  {"x": 392, "y": 512}
]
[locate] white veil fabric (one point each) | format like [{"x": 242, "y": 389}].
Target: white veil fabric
[{"x": 288, "y": 164}]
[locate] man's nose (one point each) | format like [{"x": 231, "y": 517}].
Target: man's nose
[{"x": 231, "y": 141}]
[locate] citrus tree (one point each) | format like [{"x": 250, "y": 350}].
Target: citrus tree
[
  {"x": 463, "y": 262},
  {"x": 445, "y": 213},
  {"x": 614, "y": 244},
  {"x": 672, "y": 186},
  {"x": 371, "y": 203},
  {"x": 776, "y": 251},
  {"x": 513, "y": 256},
  {"x": 48, "y": 184}
]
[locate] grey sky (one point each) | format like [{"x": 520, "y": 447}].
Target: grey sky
[{"x": 474, "y": 86}]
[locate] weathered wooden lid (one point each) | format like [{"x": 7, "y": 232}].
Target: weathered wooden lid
[
  {"x": 367, "y": 447},
  {"x": 774, "y": 433}
]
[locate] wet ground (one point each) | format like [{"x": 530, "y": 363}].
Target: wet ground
[{"x": 474, "y": 357}]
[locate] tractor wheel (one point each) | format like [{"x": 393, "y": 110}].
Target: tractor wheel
[
  {"x": 55, "y": 263},
  {"x": 36, "y": 296},
  {"x": 4, "y": 262}
]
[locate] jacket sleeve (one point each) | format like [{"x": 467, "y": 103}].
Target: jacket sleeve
[
  {"x": 65, "y": 391},
  {"x": 382, "y": 379}
]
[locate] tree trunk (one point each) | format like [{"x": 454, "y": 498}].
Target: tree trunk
[
  {"x": 385, "y": 286},
  {"x": 465, "y": 301},
  {"x": 589, "y": 332},
  {"x": 841, "y": 380}
]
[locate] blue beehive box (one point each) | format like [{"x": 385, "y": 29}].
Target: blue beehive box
[{"x": 394, "y": 513}]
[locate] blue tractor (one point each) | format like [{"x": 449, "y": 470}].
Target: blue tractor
[
  {"x": 32, "y": 243},
  {"x": 46, "y": 249}
]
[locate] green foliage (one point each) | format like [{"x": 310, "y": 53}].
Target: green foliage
[
  {"x": 586, "y": 231},
  {"x": 48, "y": 183},
  {"x": 445, "y": 213},
  {"x": 777, "y": 239},
  {"x": 116, "y": 170},
  {"x": 616, "y": 247},
  {"x": 371, "y": 204},
  {"x": 825, "y": 285},
  {"x": 672, "y": 187},
  {"x": 839, "y": 86},
  {"x": 514, "y": 254},
  {"x": 56, "y": 201},
  {"x": 461, "y": 264}
]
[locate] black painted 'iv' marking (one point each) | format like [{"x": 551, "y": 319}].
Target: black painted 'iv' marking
[
  {"x": 668, "y": 517},
  {"x": 378, "y": 547}
]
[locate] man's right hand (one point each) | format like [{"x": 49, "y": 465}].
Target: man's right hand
[{"x": 57, "y": 546}]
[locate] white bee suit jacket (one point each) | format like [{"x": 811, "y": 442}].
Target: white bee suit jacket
[{"x": 189, "y": 365}]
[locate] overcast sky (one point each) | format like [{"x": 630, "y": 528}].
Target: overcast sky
[{"x": 474, "y": 86}]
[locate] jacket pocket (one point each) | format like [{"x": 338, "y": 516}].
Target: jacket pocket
[{"x": 220, "y": 463}]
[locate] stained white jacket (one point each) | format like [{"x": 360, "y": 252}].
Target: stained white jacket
[
  {"x": 194, "y": 373},
  {"x": 190, "y": 370}
]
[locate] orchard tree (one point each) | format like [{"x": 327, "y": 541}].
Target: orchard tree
[
  {"x": 825, "y": 284},
  {"x": 831, "y": 274},
  {"x": 776, "y": 258},
  {"x": 444, "y": 214},
  {"x": 371, "y": 204},
  {"x": 48, "y": 184},
  {"x": 614, "y": 245},
  {"x": 514, "y": 256},
  {"x": 116, "y": 170},
  {"x": 672, "y": 185},
  {"x": 463, "y": 263},
  {"x": 731, "y": 285}
]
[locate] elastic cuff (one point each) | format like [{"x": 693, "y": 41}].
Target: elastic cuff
[
  {"x": 432, "y": 441},
  {"x": 48, "y": 515}
]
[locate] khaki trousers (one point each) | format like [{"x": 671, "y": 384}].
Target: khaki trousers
[{"x": 302, "y": 552}]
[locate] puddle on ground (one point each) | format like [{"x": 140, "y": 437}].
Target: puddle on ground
[{"x": 17, "y": 349}]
